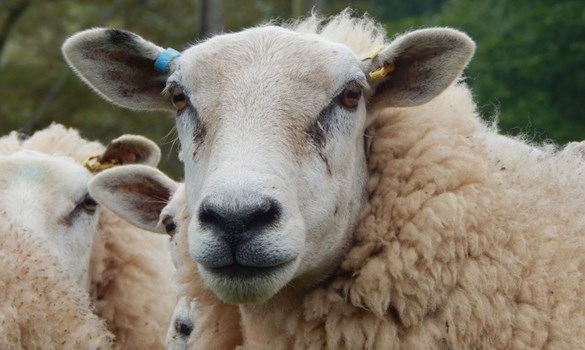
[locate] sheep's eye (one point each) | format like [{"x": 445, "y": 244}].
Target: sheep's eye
[
  {"x": 179, "y": 100},
  {"x": 170, "y": 226},
  {"x": 89, "y": 204},
  {"x": 350, "y": 97}
]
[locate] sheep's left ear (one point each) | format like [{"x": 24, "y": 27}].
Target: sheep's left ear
[
  {"x": 136, "y": 193},
  {"x": 416, "y": 67}
]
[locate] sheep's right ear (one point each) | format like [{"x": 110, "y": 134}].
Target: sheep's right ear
[
  {"x": 131, "y": 149},
  {"x": 119, "y": 66},
  {"x": 136, "y": 193}
]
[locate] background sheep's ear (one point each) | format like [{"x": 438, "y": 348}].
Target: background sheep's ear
[
  {"x": 131, "y": 149},
  {"x": 119, "y": 65},
  {"x": 417, "y": 66},
  {"x": 136, "y": 193}
]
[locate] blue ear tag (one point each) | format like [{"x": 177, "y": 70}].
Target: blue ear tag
[{"x": 163, "y": 61}]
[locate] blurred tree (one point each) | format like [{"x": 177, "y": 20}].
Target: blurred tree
[
  {"x": 302, "y": 7},
  {"x": 388, "y": 10},
  {"x": 529, "y": 68},
  {"x": 210, "y": 17},
  {"x": 14, "y": 10},
  {"x": 36, "y": 87},
  {"x": 529, "y": 62}
]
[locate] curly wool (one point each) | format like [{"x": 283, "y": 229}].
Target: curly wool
[
  {"x": 32, "y": 278},
  {"x": 130, "y": 269},
  {"x": 462, "y": 244}
]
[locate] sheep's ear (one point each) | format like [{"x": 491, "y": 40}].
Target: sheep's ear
[
  {"x": 417, "y": 66},
  {"x": 119, "y": 65},
  {"x": 131, "y": 149},
  {"x": 136, "y": 193}
]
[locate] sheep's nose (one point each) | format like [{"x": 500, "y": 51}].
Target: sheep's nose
[
  {"x": 237, "y": 224},
  {"x": 183, "y": 327}
]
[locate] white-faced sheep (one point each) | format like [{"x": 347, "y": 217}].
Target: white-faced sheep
[
  {"x": 416, "y": 238},
  {"x": 130, "y": 271},
  {"x": 142, "y": 184},
  {"x": 47, "y": 225}
]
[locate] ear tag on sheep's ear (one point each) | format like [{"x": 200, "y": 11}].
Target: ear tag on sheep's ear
[
  {"x": 95, "y": 166},
  {"x": 383, "y": 71},
  {"x": 375, "y": 52},
  {"x": 164, "y": 60}
]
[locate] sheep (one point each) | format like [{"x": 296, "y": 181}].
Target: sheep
[
  {"x": 36, "y": 292},
  {"x": 130, "y": 271},
  {"x": 345, "y": 196},
  {"x": 149, "y": 185},
  {"x": 47, "y": 224},
  {"x": 54, "y": 204},
  {"x": 123, "y": 190},
  {"x": 182, "y": 321}
]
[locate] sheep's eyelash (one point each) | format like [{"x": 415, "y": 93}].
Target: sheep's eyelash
[
  {"x": 169, "y": 89},
  {"x": 360, "y": 80},
  {"x": 74, "y": 211}
]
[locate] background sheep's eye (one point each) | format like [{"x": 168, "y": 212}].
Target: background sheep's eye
[
  {"x": 350, "y": 97},
  {"x": 170, "y": 226},
  {"x": 89, "y": 204},
  {"x": 179, "y": 101}
]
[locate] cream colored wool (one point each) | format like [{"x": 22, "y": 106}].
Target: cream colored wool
[
  {"x": 31, "y": 278},
  {"x": 454, "y": 250},
  {"x": 468, "y": 239},
  {"x": 131, "y": 269}
]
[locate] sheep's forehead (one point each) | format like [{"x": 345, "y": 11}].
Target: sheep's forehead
[
  {"x": 274, "y": 67},
  {"x": 51, "y": 174}
]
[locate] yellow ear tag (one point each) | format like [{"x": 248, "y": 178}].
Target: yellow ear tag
[
  {"x": 381, "y": 72},
  {"x": 95, "y": 166},
  {"x": 375, "y": 52}
]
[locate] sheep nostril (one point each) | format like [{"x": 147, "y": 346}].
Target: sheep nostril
[
  {"x": 244, "y": 218},
  {"x": 184, "y": 327}
]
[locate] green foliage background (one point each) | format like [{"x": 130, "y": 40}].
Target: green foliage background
[{"x": 529, "y": 68}]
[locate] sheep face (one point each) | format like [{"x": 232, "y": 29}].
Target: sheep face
[
  {"x": 271, "y": 124},
  {"x": 48, "y": 196},
  {"x": 259, "y": 149}
]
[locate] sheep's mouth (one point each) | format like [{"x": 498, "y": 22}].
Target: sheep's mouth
[
  {"x": 239, "y": 271},
  {"x": 241, "y": 284}
]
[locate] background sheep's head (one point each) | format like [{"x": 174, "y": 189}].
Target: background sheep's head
[
  {"x": 271, "y": 125},
  {"x": 44, "y": 190},
  {"x": 47, "y": 196}
]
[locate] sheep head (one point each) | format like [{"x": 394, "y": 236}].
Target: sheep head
[
  {"x": 44, "y": 190},
  {"x": 271, "y": 125}
]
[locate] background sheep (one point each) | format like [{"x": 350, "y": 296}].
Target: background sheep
[
  {"x": 451, "y": 250},
  {"x": 124, "y": 190},
  {"x": 41, "y": 307},
  {"x": 130, "y": 270},
  {"x": 47, "y": 225},
  {"x": 52, "y": 203},
  {"x": 126, "y": 197}
]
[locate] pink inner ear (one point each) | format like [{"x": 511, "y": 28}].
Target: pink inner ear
[
  {"x": 125, "y": 154},
  {"x": 150, "y": 194}
]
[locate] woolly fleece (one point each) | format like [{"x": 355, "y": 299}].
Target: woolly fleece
[
  {"x": 32, "y": 278},
  {"x": 459, "y": 246}
]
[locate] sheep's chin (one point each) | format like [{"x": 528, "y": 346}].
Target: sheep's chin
[{"x": 248, "y": 285}]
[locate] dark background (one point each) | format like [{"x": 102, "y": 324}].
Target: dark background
[{"x": 528, "y": 71}]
